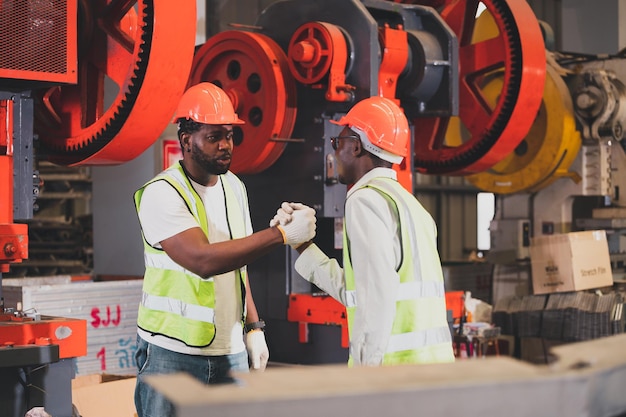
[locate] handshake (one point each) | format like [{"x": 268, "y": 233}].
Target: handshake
[{"x": 296, "y": 222}]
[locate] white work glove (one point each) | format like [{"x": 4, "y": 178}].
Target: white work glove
[
  {"x": 299, "y": 226},
  {"x": 283, "y": 214},
  {"x": 257, "y": 349}
]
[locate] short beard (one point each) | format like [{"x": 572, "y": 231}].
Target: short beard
[{"x": 207, "y": 164}]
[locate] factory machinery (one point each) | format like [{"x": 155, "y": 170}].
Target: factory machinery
[
  {"x": 78, "y": 82},
  {"x": 487, "y": 97}
]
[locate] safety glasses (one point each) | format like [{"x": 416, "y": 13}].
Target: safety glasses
[{"x": 334, "y": 141}]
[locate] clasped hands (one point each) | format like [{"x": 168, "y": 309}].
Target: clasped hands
[{"x": 296, "y": 222}]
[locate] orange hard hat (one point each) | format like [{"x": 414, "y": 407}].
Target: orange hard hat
[
  {"x": 383, "y": 123},
  {"x": 208, "y": 104}
]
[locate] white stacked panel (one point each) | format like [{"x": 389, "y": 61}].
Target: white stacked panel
[{"x": 110, "y": 309}]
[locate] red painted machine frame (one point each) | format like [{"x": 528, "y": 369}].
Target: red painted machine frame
[
  {"x": 308, "y": 309},
  {"x": 13, "y": 237},
  {"x": 70, "y": 334}
]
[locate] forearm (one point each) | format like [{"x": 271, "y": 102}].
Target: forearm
[
  {"x": 227, "y": 256},
  {"x": 191, "y": 250},
  {"x": 303, "y": 246},
  {"x": 317, "y": 268},
  {"x": 252, "y": 314}
]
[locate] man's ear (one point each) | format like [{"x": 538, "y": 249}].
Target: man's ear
[
  {"x": 185, "y": 139},
  {"x": 358, "y": 148}
]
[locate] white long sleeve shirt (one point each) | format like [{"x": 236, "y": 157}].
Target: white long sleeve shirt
[{"x": 375, "y": 250}]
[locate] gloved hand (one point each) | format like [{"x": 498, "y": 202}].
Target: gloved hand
[
  {"x": 257, "y": 349},
  {"x": 301, "y": 227},
  {"x": 283, "y": 214}
]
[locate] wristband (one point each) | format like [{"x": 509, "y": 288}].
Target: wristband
[
  {"x": 254, "y": 325},
  {"x": 282, "y": 232}
]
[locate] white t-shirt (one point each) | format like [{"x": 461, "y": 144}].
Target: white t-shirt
[{"x": 172, "y": 218}]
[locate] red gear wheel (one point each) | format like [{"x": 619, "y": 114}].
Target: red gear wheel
[
  {"x": 254, "y": 72},
  {"x": 518, "y": 51},
  {"x": 123, "y": 48}
]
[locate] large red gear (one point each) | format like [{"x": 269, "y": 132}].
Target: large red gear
[
  {"x": 254, "y": 72},
  {"x": 518, "y": 51},
  {"x": 135, "y": 55}
]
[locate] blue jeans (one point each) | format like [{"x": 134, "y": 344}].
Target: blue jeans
[{"x": 152, "y": 360}]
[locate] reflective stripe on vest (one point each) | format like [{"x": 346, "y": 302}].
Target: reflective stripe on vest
[
  {"x": 177, "y": 303},
  {"x": 169, "y": 305},
  {"x": 407, "y": 291},
  {"x": 409, "y": 341},
  {"x": 420, "y": 332}
]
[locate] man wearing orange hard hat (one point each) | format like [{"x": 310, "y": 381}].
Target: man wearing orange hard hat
[
  {"x": 391, "y": 282},
  {"x": 197, "y": 314}
]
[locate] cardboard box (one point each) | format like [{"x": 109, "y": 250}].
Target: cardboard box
[
  {"x": 570, "y": 262},
  {"x": 537, "y": 350},
  {"x": 102, "y": 395}
]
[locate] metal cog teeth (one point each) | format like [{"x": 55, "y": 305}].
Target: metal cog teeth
[
  {"x": 508, "y": 102},
  {"x": 91, "y": 144}
]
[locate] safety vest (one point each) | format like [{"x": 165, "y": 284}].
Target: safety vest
[
  {"x": 420, "y": 332},
  {"x": 177, "y": 303}
]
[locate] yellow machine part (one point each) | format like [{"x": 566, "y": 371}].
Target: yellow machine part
[{"x": 547, "y": 151}]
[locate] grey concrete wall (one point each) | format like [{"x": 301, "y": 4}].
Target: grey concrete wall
[
  {"x": 117, "y": 245},
  {"x": 592, "y": 26}
]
